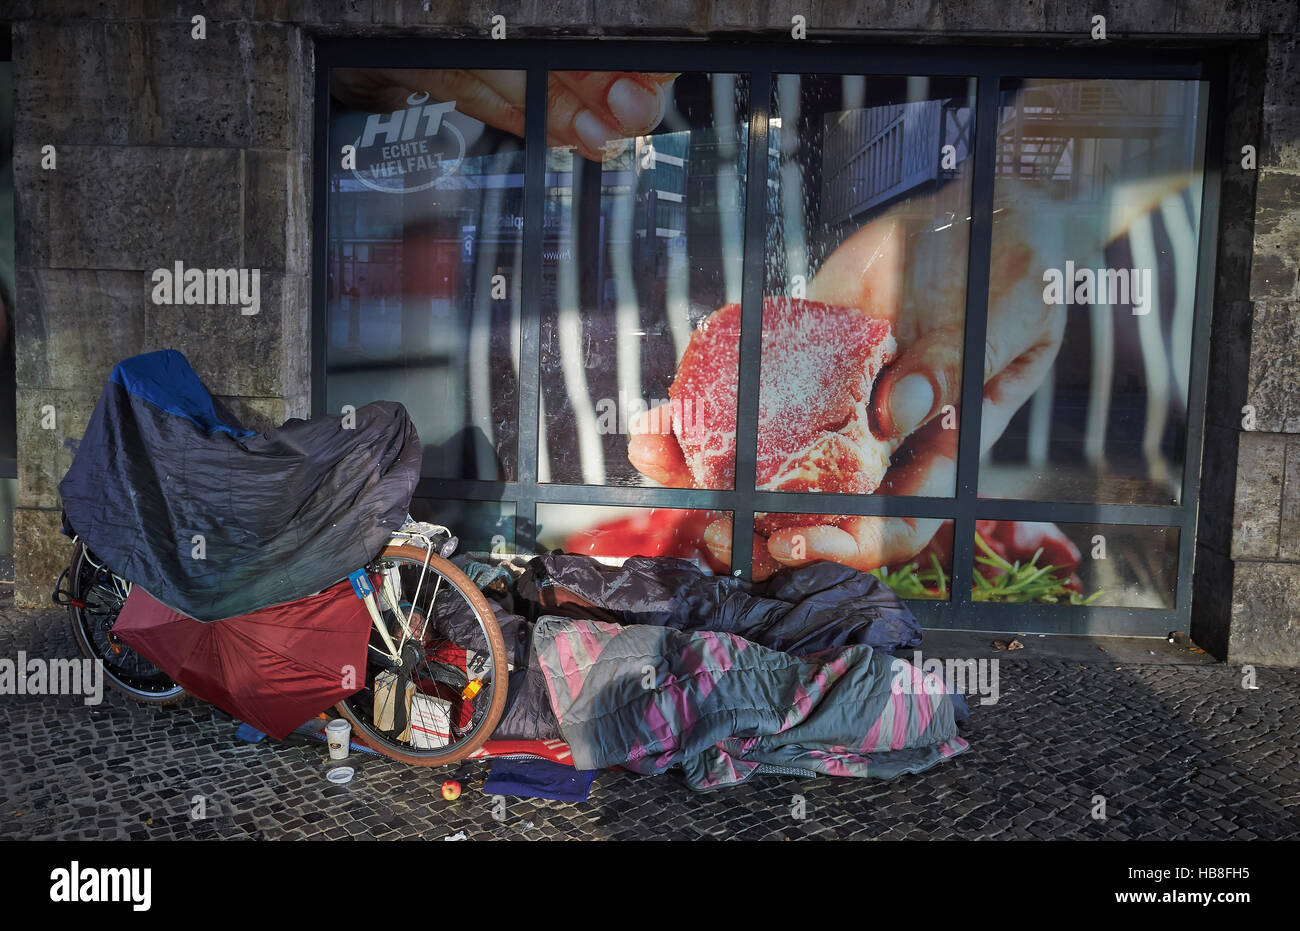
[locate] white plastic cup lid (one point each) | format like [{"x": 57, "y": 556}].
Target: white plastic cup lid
[
  {"x": 338, "y": 724},
  {"x": 340, "y": 774}
]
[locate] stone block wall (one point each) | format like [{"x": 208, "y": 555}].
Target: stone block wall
[
  {"x": 172, "y": 149},
  {"x": 167, "y": 149},
  {"x": 1256, "y": 619}
]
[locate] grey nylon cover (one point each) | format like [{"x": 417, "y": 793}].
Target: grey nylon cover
[
  {"x": 796, "y": 611},
  {"x": 160, "y": 480}
]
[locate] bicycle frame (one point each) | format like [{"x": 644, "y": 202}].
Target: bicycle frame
[
  {"x": 413, "y": 532},
  {"x": 62, "y": 598},
  {"x": 421, "y": 535}
]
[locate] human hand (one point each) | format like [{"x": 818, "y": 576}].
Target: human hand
[
  {"x": 868, "y": 272},
  {"x": 922, "y": 385},
  {"x": 585, "y": 109},
  {"x": 1022, "y": 338}
]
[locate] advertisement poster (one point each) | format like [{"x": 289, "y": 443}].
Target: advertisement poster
[{"x": 865, "y": 253}]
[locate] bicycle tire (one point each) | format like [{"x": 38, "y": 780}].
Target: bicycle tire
[
  {"x": 78, "y": 622},
  {"x": 500, "y": 682}
]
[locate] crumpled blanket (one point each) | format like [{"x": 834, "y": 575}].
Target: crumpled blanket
[
  {"x": 796, "y": 610},
  {"x": 657, "y": 663},
  {"x": 724, "y": 708}
]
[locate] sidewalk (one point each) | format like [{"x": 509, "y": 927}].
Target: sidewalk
[{"x": 1172, "y": 741}]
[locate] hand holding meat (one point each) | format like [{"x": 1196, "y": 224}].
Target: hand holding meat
[{"x": 856, "y": 396}]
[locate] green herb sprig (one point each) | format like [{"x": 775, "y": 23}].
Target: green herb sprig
[{"x": 1015, "y": 582}]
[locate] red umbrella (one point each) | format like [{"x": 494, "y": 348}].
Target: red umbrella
[{"x": 274, "y": 668}]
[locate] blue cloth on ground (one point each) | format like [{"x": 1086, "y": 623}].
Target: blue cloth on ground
[
  {"x": 539, "y": 779},
  {"x": 249, "y": 734}
]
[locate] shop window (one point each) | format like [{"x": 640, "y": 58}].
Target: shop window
[
  {"x": 482, "y": 527},
  {"x": 627, "y": 275},
  {"x": 424, "y": 252},
  {"x": 867, "y": 224},
  {"x": 1100, "y": 183},
  {"x": 615, "y": 533},
  {"x": 912, "y": 555},
  {"x": 812, "y": 293}
]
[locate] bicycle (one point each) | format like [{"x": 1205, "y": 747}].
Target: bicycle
[{"x": 421, "y": 607}]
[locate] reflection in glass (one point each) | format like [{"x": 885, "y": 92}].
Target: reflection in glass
[
  {"x": 485, "y": 528},
  {"x": 642, "y": 240},
  {"x": 614, "y": 533},
  {"x": 1092, "y": 289},
  {"x": 867, "y": 241},
  {"x": 425, "y": 258},
  {"x": 1075, "y": 564}
]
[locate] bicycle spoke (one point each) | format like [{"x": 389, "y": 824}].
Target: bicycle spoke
[{"x": 442, "y": 620}]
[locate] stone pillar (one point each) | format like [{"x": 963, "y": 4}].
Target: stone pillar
[
  {"x": 1229, "y": 353},
  {"x": 1264, "y": 577},
  {"x": 168, "y": 148}
]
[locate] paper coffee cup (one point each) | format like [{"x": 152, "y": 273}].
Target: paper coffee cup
[{"x": 337, "y": 734}]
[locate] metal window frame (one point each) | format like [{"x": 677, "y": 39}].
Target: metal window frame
[{"x": 988, "y": 65}]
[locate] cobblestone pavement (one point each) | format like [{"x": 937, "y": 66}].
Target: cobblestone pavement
[{"x": 1177, "y": 751}]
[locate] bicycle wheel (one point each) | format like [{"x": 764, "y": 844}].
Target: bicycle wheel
[
  {"x": 452, "y": 652},
  {"x": 94, "y": 600}
]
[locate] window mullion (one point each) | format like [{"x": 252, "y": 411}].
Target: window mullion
[
  {"x": 751, "y": 325},
  {"x": 977, "y": 292},
  {"x": 530, "y": 323}
]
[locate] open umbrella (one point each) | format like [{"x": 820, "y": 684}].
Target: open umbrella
[{"x": 274, "y": 668}]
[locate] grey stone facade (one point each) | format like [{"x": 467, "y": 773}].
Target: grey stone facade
[{"x": 173, "y": 149}]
